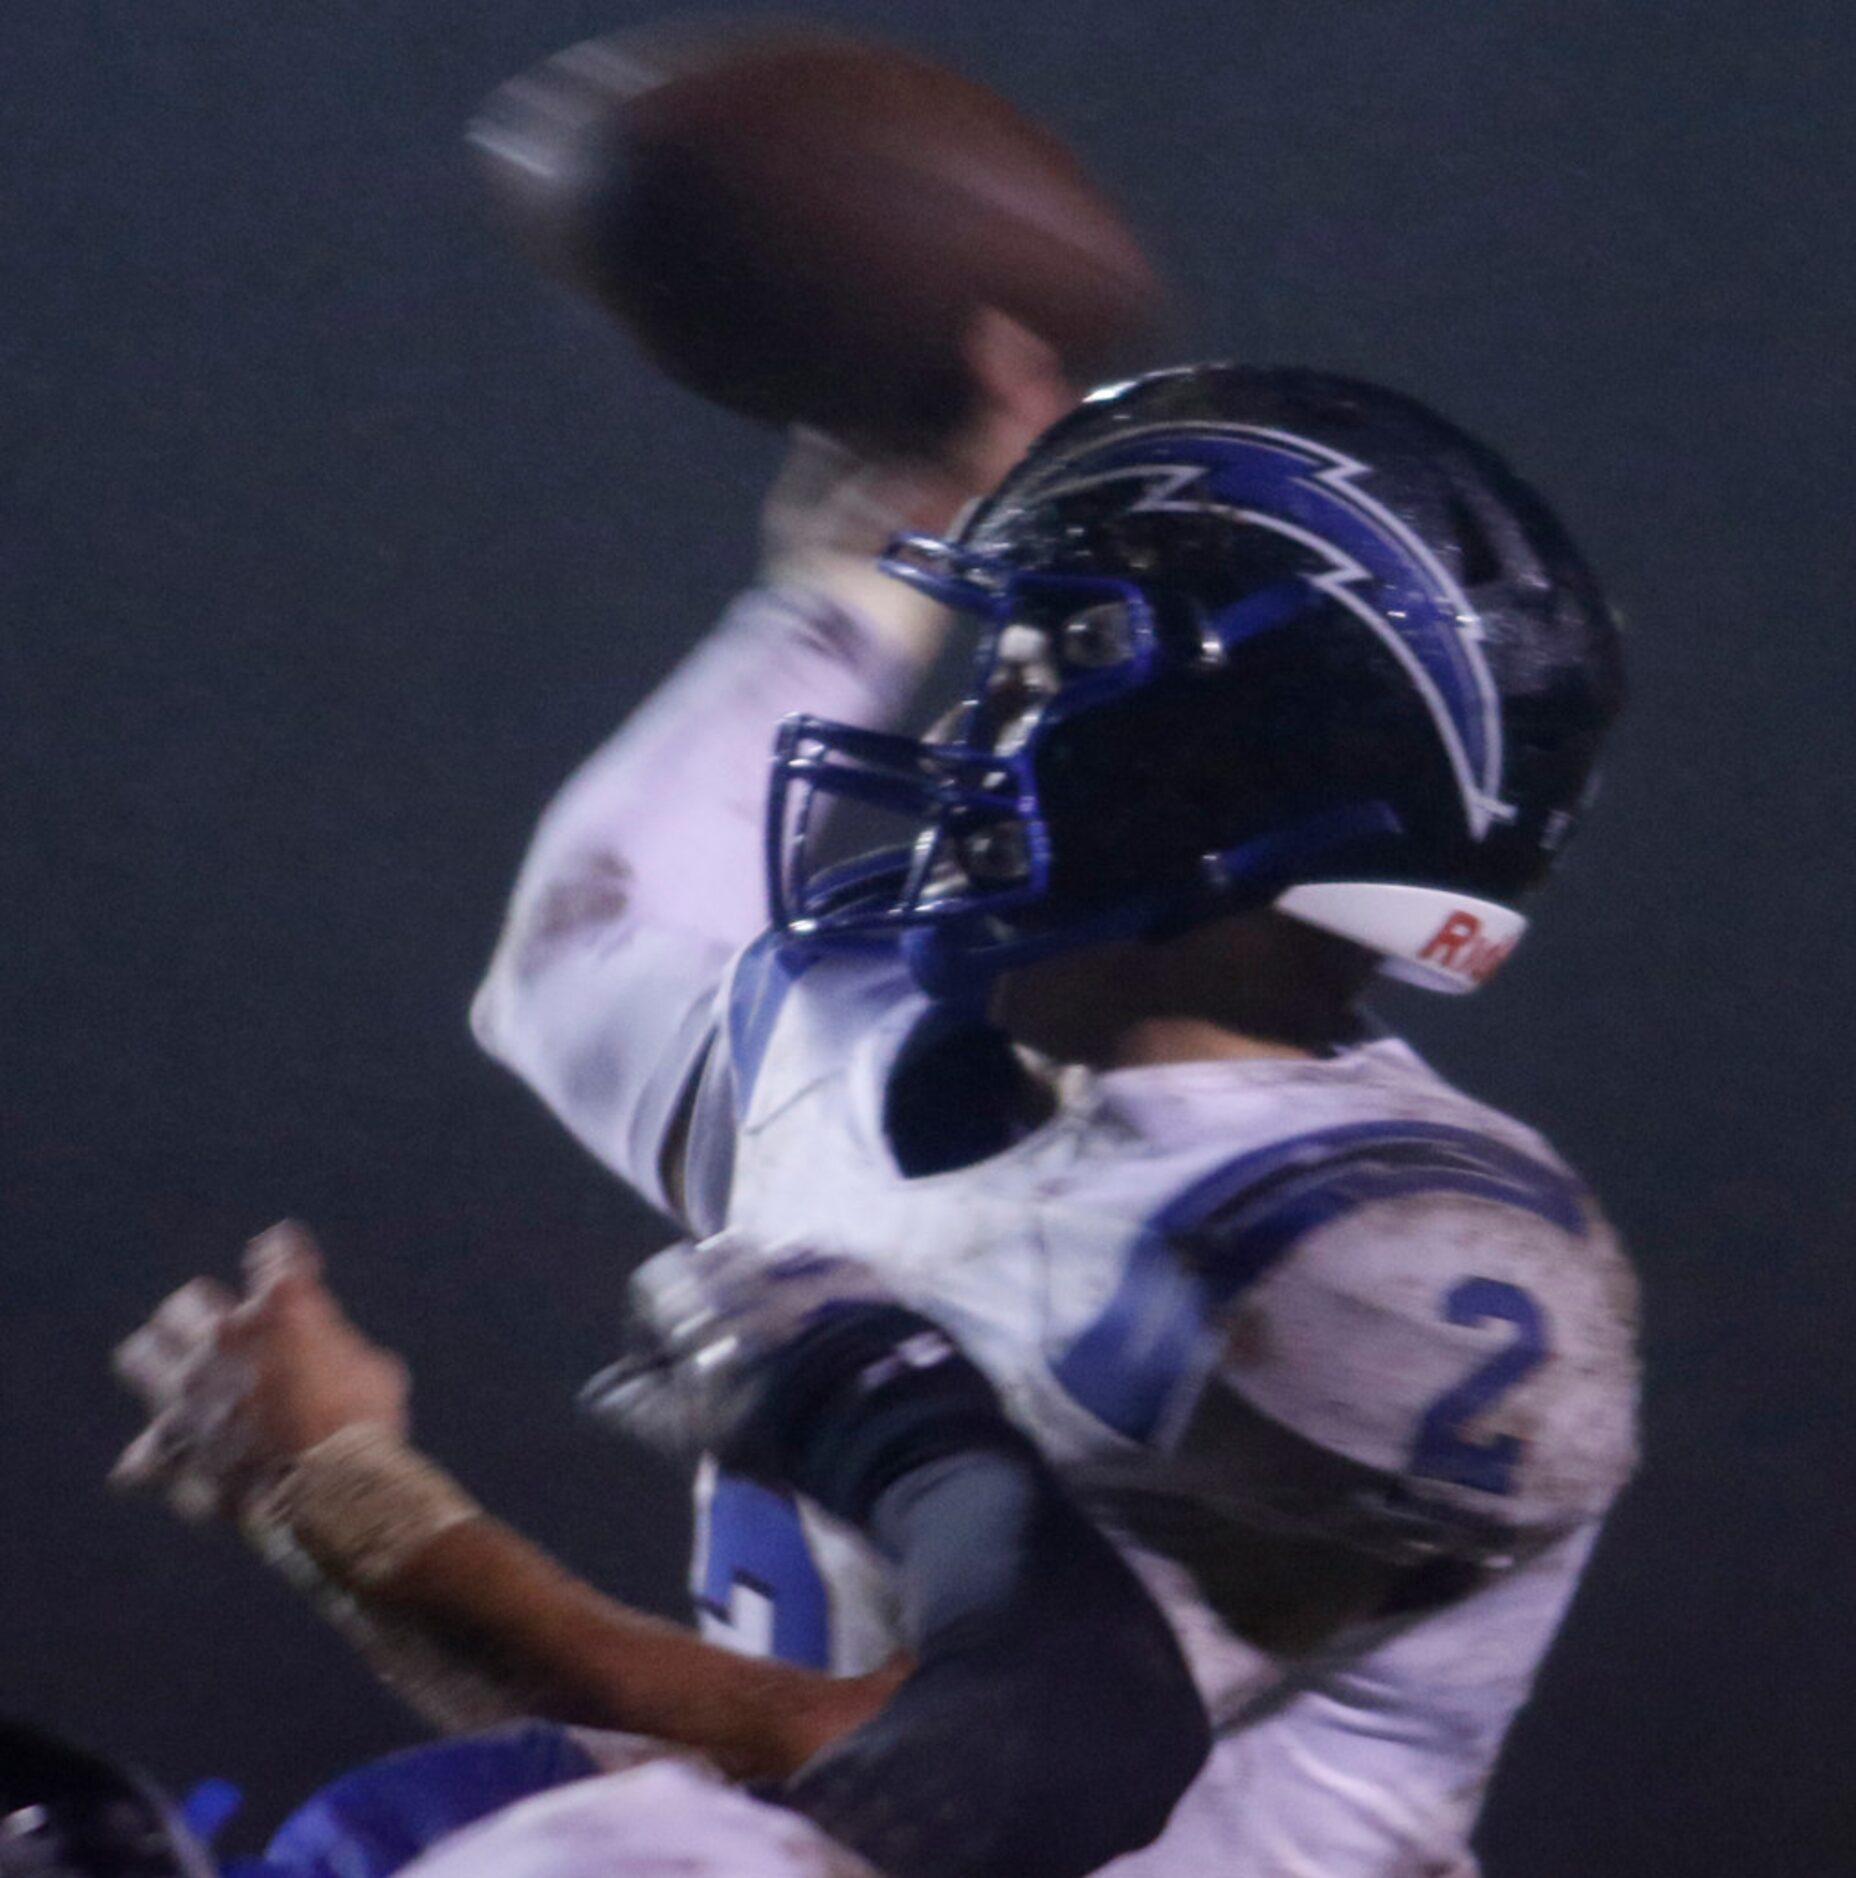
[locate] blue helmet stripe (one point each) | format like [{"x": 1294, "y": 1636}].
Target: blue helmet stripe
[{"x": 1378, "y": 568}]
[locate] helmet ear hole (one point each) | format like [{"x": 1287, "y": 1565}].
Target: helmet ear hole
[{"x": 1097, "y": 638}]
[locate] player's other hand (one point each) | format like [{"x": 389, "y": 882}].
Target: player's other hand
[{"x": 237, "y": 1386}]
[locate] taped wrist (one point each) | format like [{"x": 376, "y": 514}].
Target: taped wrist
[
  {"x": 360, "y": 1503},
  {"x": 347, "y": 1515},
  {"x": 865, "y": 1396}
]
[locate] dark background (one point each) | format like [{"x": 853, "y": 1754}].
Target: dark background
[{"x": 330, "y": 541}]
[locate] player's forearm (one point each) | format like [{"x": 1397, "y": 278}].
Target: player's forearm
[
  {"x": 648, "y": 873},
  {"x": 469, "y": 1622},
  {"x": 495, "y": 1601}
]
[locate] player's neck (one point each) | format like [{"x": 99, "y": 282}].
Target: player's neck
[
  {"x": 1154, "y": 1040},
  {"x": 1252, "y": 987}
]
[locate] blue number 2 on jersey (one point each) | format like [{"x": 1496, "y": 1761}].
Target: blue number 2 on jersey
[
  {"x": 1442, "y": 1451},
  {"x": 757, "y": 1588}
]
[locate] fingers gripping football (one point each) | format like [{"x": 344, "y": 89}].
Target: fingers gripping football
[{"x": 237, "y": 1386}]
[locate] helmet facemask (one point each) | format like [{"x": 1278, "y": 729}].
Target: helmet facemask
[
  {"x": 1029, "y": 827},
  {"x": 973, "y": 843}
]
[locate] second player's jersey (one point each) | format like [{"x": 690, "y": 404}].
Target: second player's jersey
[{"x": 1333, "y": 1298}]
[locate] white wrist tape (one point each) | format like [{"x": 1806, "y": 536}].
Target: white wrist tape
[
  {"x": 360, "y": 1503},
  {"x": 348, "y": 1514}
]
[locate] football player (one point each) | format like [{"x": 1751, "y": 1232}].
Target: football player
[
  {"x": 1050, "y": 1135},
  {"x": 1282, "y": 681}
]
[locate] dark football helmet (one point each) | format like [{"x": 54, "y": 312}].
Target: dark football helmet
[
  {"x": 66, "y": 1813},
  {"x": 1251, "y": 638}
]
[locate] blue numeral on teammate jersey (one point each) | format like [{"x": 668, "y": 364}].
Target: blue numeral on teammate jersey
[
  {"x": 1442, "y": 1451},
  {"x": 759, "y": 1589}
]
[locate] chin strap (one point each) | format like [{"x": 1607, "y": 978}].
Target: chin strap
[{"x": 1428, "y": 936}]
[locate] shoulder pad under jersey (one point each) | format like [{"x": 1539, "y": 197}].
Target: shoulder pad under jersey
[{"x": 1447, "y": 1316}]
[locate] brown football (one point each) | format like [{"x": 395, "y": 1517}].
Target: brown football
[{"x": 799, "y": 225}]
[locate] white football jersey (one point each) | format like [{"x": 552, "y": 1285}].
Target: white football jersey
[
  {"x": 1407, "y": 1281},
  {"x": 1334, "y": 1299}
]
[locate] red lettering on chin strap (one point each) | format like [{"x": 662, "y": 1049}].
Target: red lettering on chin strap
[
  {"x": 1459, "y": 930},
  {"x": 1458, "y": 945}
]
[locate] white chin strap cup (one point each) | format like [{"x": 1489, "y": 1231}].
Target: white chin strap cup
[{"x": 1426, "y": 936}]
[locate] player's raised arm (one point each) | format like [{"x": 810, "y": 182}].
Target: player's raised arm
[
  {"x": 812, "y": 231},
  {"x": 646, "y": 874},
  {"x": 1049, "y": 1725}
]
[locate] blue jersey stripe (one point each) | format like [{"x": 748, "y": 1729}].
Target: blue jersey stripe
[{"x": 763, "y": 975}]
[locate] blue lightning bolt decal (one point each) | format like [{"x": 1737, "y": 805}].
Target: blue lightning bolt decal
[{"x": 1377, "y": 566}]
